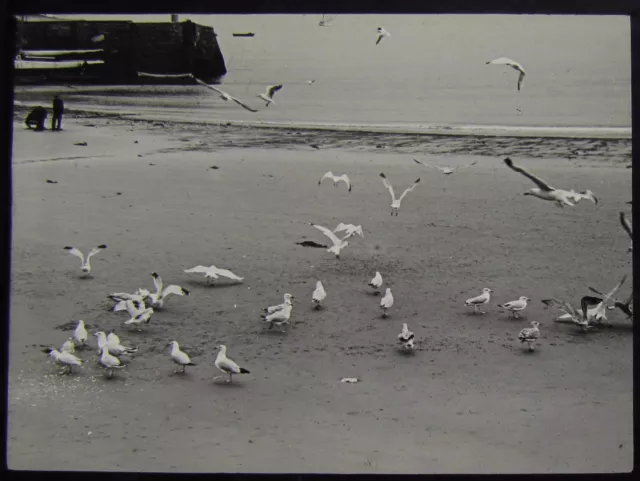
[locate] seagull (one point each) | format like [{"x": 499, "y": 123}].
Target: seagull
[
  {"x": 226, "y": 365},
  {"x": 376, "y": 282},
  {"x": 395, "y": 203},
  {"x": 80, "y": 334},
  {"x": 67, "y": 359},
  {"x": 282, "y": 316},
  {"x": 112, "y": 338},
  {"x": 98, "y": 38},
  {"x": 279, "y": 307},
  {"x": 224, "y": 95},
  {"x": 109, "y": 361},
  {"x": 117, "y": 349},
  {"x": 581, "y": 318},
  {"x": 139, "y": 314},
  {"x": 578, "y": 196},
  {"x": 445, "y": 170},
  {"x": 381, "y": 34},
  {"x": 512, "y": 64},
  {"x": 325, "y": 20},
  {"x": 68, "y": 346},
  {"x": 338, "y": 244},
  {"x": 269, "y": 93},
  {"x": 311, "y": 82},
  {"x": 607, "y": 297},
  {"x": 86, "y": 265},
  {"x": 515, "y": 306},
  {"x": 336, "y": 178},
  {"x": 350, "y": 229},
  {"x": 530, "y": 334},
  {"x": 179, "y": 357},
  {"x": 626, "y": 225},
  {"x": 158, "y": 297},
  {"x": 626, "y": 306},
  {"x": 477, "y": 301},
  {"x": 386, "y": 302},
  {"x": 406, "y": 337},
  {"x": 319, "y": 294},
  {"x": 139, "y": 296},
  {"x": 545, "y": 191},
  {"x": 212, "y": 272}
]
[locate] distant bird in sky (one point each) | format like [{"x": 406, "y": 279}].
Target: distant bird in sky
[
  {"x": 445, "y": 170},
  {"x": 395, "y": 203},
  {"x": 511, "y": 63},
  {"x": 336, "y": 178},
  {"x": 381, "y": 34},
  {"x": 224, "y": 95},
  {"x": 270, "y": 92},
  {"x": 98, "y": 38}
]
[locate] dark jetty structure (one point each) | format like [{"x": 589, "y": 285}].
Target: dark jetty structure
[{"x": 50, "y": 51}]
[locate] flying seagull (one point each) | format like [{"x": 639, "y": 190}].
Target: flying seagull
[
  {"x": 350, "y": 229},
  {"x": 530, "y": 334},
  {"x": 578, "y": 196},
  {"x": 269, "y": 93},
  {"x": 511, "y": 63},
  {"x": 140, "y": 314},
  {"x": 157, "y": 298},
  {"x": 85, "y": 265},
  {"x": 607, "y": 297},
  {"x": 336, "y": 178},
  {"x": 515, "y": 306},
  {"x": 626, "y": 225},
  {"x": 626, "y": 306},
  {"x": 386, "y": 302},
  {"x": 544, "y": 191},
  {"x": 319, "y": 295},
  {"x": 376, "y": 282},
  {"x": 224, "y": 95},
  {"x": 338, "y": 244},
  {"x": 406, "y": 337},
  {"x": 445, "y": 170},
  {"x": 226, "y": 365},
  {"x": 477, "y": 301},
  {"x": 179, "y": 357},
  {"x": 381, "y": 34},
  {"x": 395, "y": 203},
  {"x": 213, "y": 272}
]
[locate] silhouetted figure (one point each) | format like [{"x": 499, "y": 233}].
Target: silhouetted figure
[
  {"x": 58, "y": 110},
  {"x": 36, "y": 118}
]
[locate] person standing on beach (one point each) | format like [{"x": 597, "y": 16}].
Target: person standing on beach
[{"x": 58, "y": 110}]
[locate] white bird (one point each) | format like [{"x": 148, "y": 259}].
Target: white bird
[
  {"x": 381, "y": 34},
  {"x": 113, "y": 338},
  {"x": 477, "y": 301},
  {"x": 395, "y": 203},
  {"x": 578, "y": 196},
  {"x": 325, "y": 21},
  {"x": 350, "y": 229},
  {"x": 226, "y": 365},
  {"x": 511, "y": 63},
  {"x": 139, "y": 296},
  {"x": 140, "y": 314},
  {"x": 544, "y": 191},
  {"x": 68, "y": 346},
  {"x": 336, "y": 178},
  {"x": 157, "y": 298},
  {"x": 224, "y": 95},
  {"x": 85, "y": 263},
  {"x": 581, "y": 318},
  {"x": 67, "y": 359},
  {"x": 179, "y": 357},
  {"x": 530, "y": 334},
  {"x": 279, "y": 307},
  {"x": 109, "y": 361},
  {"x": 282, "y": 316},
  {"x": 319, "y": 295},
  {"x": 98, "y": 38},
  {"x": 406, "y": 337},
  {"x": 445, "y": 170},
  {"x": 626, "y": 225},
  {"x": 269, "y": 93},
  {"x": 212, "y": 272},
  {"x": 376, "y": 282},
  {"x": 116, "y": 348},
  {"x": 515, "y": 306},
  {"x": 338, "y": 244},
  {"x": 311, "y": 82},
  {"x": 626, "y": 306},
  {"x": 386, "y": 302},
  {"x": 80, "y": 334},
  {"x": 607, "y": 297}
]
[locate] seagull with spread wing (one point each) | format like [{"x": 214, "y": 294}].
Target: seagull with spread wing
[
  {"x": 157, "y": 298},
  {"x": 606, "y": 298},
  {"x": 270, "y": 92},
  {"x": 445, "y": 170},
  {"x": 381, "y": 34},
  {"x": 511, "y": 63},
  {"x": 350, "y": 229},
  {"x": 213, "y": 272},
  {"x": 85, "y": 265},
  {"x": 336, "y": 178},
  {"x": 395, "y": 203},
  {"x": 338, "y": 244},
  {"x": 224, "y": 95},
  {"x": 626, "y": 225},
  {"x": 580, "y": 318}
]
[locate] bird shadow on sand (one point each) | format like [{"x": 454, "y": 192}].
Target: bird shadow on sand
[
  {"x": 527, "y": 352},
  {"x": 273, "y": 332},
  {"x": 223, "y": 382},
  {"x": 474, "y": 314},
  {"x": 221, "y": 285}
]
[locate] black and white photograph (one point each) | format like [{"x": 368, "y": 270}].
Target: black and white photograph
[{"x": 321, "y": 243}]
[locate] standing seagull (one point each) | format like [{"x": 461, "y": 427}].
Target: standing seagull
[
  {"x": 226, "y": 365},
  {"x": 139, "y": 315},
  {"x": 80, "y": 334},
  {"x": 212, "y": 272},
  {"x": 445, "y": 170},
  {"x": 386, "y": 302},
  {"x": 67, "y": 359},
  {"x": 381, "y": 34},
  {"x": 544, "y": 190},
  {"x": 477, "y": 301},
  {"x": 158, "y": 297},
  {"x": 109, "y": 361},
  {"x": 336, "y": 178},
  {"x": 626, "y": 225},
  {"x": 338, "y": 244},
  {"x": 406, "y": 337},
  {"x": 319, "y": 295},
  {"x": 511, "y": 63},
  {"x": 86, "y": 265},
  {"x": 515, "y": 306},
  {"x": 179, "y": 357},
  {"x": 68, "y": 346},
  {"x": 270, "y": 92},
  {"x": 376, "y": 282},
  {"x": 224, "y": 95},
  {"x": 530, "y": 334},
  {"x": 395, "y": 203}
]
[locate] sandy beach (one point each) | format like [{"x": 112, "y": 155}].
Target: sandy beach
[{"x": 470, "y": 400}]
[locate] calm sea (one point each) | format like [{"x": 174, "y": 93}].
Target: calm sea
[{"x": 430, "y": 73}]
